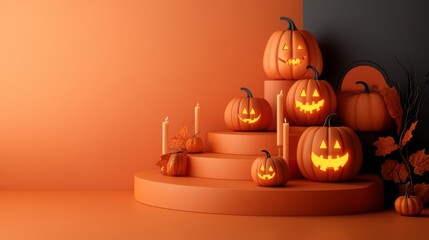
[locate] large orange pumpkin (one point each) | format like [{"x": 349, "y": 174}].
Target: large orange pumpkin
[
  {"x": 268, "y": 171},
  {"x": 310, "y": 101},
  {"x": 248, "y": 113},
  {"x": 289, "y": 52},
  {"x": 364, "y": 111},
  {"x": 328, "y": 153}
]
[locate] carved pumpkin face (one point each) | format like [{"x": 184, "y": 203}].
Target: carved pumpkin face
[
  {"x": 309, "y": 101},
  {"x": 270, "y": 171},
  {"x": 289, "y": 52},
  {"x": 328, "y": 153},
  {"x": 248, "y": 113}
]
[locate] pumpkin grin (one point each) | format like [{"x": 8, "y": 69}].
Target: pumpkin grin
[
  {"x": 250, "y": 120},
  {"x": 266, "y": 176},
  {"x": 292, "y": 61},
  {"x": 324, "y": 163},
  {"x": 307, "y": 107}
]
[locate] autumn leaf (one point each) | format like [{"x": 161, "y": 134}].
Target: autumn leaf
[
  {"x": 391, "y": 170},
  {"x": 385, "y": 145},
  {"x": 420, "y": 162},
  {"x": 179, "y": 141},
  {"x": 408, "y": 134},
  {"x": 393, "y": 103},
  {"x": 164, "y": 160},
  {"x": 422, "y": 190}
]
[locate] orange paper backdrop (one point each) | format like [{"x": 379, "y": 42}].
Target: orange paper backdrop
[{"x": 86, "y": 84}]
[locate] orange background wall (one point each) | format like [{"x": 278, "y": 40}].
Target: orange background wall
[{"x": 86, "y": 84}]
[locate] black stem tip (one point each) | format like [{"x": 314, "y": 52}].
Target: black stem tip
[
  {"x": 267, "y": 153},
  {"x": 366, "y": 90},
  {"x": 316, "y": 73},
  {"x": 249, "y": 93},
  {"x": 328, "y": 119},
  {"x": 292, "y": 25}
]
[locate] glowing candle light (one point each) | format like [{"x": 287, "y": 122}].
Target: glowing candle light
[
  {"x": 197, "y": 118},
  {"x": 165, "y": 136},
  {"x": 286, "y": 140}
]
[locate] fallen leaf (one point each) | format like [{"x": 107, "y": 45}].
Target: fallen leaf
[
  {"x": 391, "y": 170},
  {"x": 422, "y": 190},
  {"x": 385, "y": 145},
  {"x": 179, "y": 140},
  {"x": 420, "y": 162},
  {"x": 408, "y": 134},
  {"x": 393, "y": 103}
]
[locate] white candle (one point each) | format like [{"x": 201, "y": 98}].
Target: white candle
[
  {"x": 165, "y": 136},
  {"x": 286, "y": 140},
  {"x": 197, "y": 118},
  {"x": 280, "y": 103}
]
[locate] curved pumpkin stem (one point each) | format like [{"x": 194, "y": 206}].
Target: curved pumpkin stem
[
  {"x": 406, "y": 190},
  {"x": 292, "y": 25},
  {"x": 249, "y": 93},
  {"x": 328, "y": 119},
  {"x": 267, "y": 153},
  {"x": 366, "y": 90},
  {"x": 316, "y": 73}
]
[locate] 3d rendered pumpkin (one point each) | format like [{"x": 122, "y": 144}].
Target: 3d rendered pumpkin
[
  {"x": 248, "y": 113},
  {"x": 364, "y": 111},
  {"x": 310, "y": 101},
  {"x": 194, "y": 144},
  {"x": 408, "y": 205},
  {"x": 289, "y": 52},
  {"x": 329, "y": 153},
  {"x": 268, "y": 171}
]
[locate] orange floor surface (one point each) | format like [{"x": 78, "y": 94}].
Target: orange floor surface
[{"x": 116, "y": 215}]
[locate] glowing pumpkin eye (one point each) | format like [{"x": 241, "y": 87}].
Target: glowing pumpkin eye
[
  {"x": 262, "y": 168},
  {"x": 299, "y": 47},
  {"x": 303, "y": 93},
  {"x": 252, "y": 111},
  {"x": 285, "y": 47},
  {"x": 323, "y": 145},
  {"x": 244, "y": 111},
  {"x": 271, "y": 169},
  {"x": 337, "y": 145},
  {"x": 316, "y": 93}
]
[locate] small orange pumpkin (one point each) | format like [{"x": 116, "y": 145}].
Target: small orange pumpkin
[
  {"x": 310, "y": 101},
  {"x": 174, "y": 164},
  {"x": 194, "y": 144},
  {"x": 365, "y": 111},
  {"x": 408, "y": 205},
  {"x": 270, "y": 171},
  {"x": 328, "y": 153},
  {"x": 289, "y": 52},
  {"x": 248, "y": 113}
]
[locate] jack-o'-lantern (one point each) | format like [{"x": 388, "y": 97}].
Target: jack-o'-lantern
[
  {"x": 289, "y": 52},
  {"x": 268, "y": 171},
  {"x": 364, "y": 111},
  {"x": 310, "y": 101},
  {"x": 248, "y": 113},
  {"x": 327, "y": 153}
]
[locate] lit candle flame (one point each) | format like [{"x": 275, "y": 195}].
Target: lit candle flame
[
  {"x": 281, "y": 91},
  {"x": 284, "y": 120},
  {"x": 198, "y": 104},
  {"x": 166, "y": 119}
]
